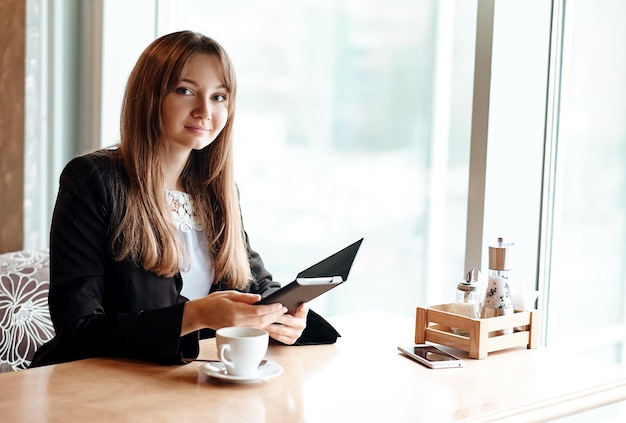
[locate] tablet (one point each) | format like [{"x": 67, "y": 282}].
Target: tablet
[
  {"x": 302, "y": 290},
  {"x": 316, "y": 280}
]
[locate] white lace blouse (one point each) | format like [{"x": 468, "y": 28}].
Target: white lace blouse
[{"x": 197, "y": 272}]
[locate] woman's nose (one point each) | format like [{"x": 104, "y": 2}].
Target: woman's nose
[{"x": 203, "y": 111}]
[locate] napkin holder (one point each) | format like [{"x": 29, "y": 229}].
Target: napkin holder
[{"x": 432, "y": 324}]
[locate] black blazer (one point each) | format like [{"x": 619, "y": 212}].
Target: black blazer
[{"x": 102, "y": 307}]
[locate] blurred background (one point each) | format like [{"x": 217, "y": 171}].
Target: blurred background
[{"x": 360, "y": 119}]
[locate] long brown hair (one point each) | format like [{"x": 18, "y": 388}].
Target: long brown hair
[{"x": 145, "y": 234}]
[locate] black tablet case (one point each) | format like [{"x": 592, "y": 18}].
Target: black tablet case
[
  {"x": 294, "y": 294},
  {"x": 318, "y": 330}
]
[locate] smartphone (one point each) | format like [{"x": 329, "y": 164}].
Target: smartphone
[{"x": 431, "y": 356}]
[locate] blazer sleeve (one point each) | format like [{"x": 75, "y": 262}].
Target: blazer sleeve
[
  {"x": 82, "y": 296},
  {"x": 262, "y": 279}
]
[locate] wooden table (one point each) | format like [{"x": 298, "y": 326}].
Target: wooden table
[{"x": 361, "y": 378}]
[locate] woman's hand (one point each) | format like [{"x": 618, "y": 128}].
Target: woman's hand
[
  {"x": 231, "y": 308},
  {"x": 288, "y": 328}
]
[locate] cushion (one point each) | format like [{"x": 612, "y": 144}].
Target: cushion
[{"x": 24, "y": 315}]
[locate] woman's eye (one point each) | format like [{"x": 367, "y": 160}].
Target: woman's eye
[
  {"x": 183, "y": 91},
  {"x": 219, "y": 97}
]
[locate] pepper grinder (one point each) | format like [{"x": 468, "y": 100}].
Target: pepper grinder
[{"x": 498, "y": 301}]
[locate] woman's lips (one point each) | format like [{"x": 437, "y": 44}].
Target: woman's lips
[{"x": 198, "y": 129}]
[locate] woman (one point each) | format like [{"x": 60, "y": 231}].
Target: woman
[{"x": 142, "y": 233}]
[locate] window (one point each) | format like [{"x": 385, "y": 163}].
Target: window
[
  {"x": 353, "y": 120},
  {"x": 587, "y": 289}
]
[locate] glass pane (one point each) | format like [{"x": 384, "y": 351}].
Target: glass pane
[
  {"x": 588, "y": 283},
  {"x": 353, "y": 120}
]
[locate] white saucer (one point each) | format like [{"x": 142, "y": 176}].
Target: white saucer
[{"x": 218, "y": 371}]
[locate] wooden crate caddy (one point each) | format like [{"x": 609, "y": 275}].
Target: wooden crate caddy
[{"x": 433, "y": 324}]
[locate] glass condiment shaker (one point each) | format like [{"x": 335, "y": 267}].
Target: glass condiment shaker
[{"x": 467, "y": 299}]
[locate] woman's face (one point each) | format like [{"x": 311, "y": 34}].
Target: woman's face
[{"x": 196, "y": 111}]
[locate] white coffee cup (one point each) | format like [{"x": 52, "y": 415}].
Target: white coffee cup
[{"x": 241, "y": 349}]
